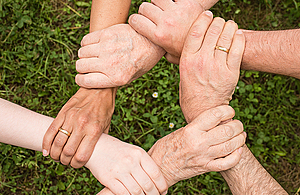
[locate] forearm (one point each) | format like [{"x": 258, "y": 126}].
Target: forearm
[
  {"x": 107, "y": 13},
  {"x": 249, "y": 177},
  {"x": 22, "y": 127},
  {"x": 273, "y": 52}
]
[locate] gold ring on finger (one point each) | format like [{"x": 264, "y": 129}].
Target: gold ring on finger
[
  {"x": 64, "y": 132},
  {"x": 222, "y": 48}
]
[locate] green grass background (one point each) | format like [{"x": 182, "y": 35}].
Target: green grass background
[{"x": 39, "y": 40}]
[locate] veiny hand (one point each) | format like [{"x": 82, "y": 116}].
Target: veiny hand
[
  {"x": 114, "y": 57},
  {"x": 125, "y": 168},
  {"x": 86, "y": 115},
  {"x": 201, "y": 146},
  {"x": 208, "y": 76},
  {"x": 166, "y": 23}
]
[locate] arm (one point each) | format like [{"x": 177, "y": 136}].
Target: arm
[
  {"x": 267, "y": 51},
  {"x": 113, "y": 154},
  {"x": 120, "y": 163},
  {"x": 250, "y": 177},
  {"x": 88, "y": 113},
  {"x": 273, "y": 52}
]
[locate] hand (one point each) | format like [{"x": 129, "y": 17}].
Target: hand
[
  {"x": 125, "y": 168},
  {"x": 114, "y": 57},
  {"x": 201, "y": 146},
  {"x": 86, "y": 115},
  {"x": 208, "y": 76},
  {"x": 166, "y": 23}
]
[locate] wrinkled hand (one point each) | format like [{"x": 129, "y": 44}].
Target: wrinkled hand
[
  {"x": 114, "y": 57},
  {"x": 201, "y": 146},
  {"x": 125, "y": 168},
  {"x": 208, "y": 76},
  {"x": 166, "y": 23},
  {"x": 86, "y": 115}
]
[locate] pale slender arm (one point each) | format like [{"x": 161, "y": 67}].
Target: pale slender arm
[
  {"x": 250, "y": 177},
  {"x": 273, "y": 52}
]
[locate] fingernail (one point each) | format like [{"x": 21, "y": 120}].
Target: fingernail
[
  {"x": 245, "y": 134},
  {"x": 209, "y": 13},
  {"x": 240, "y": 150},
  {"x": 133, "y": 19},
  {"x": 45, "y": 152},
  {"x": 239, "y": 32},
  {"x": 165, "y": 193}
]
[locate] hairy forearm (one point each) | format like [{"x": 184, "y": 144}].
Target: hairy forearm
[
  {"x": 273, "y": 51},
  {"x": 106, "y": 13},
  {"x": 249, "y": 177}
]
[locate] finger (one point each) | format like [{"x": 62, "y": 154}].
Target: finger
[
  {"x": 71, "y": 147},
  {"x": 94, "y": 80},
  {"x": 143, "y": 26},
  {"x": 87, "y": 65},
  {"x": 131, "y": 185},
  {"x": 212, "y": 117},
  {"x": 116, "y": 187},
  {"x": 222, "y": 164},
  {"x": 225, "y": 132},
  {"x": 91, "y": 38},
  {"x": 197, "y": 32},
  {"x": 151, "y": 12},
  {"x": 153, "y": 172},
  {"x": 225, "y": 40},
  {"x": 223, "y": 149},
  {"x": 59, "y": 142},
  {"x": 163, "y": 4},
  {"x": 144, "y": 181},
  {"x": 236, "y": 51},
  {"x": 212, "y": 35},
  {"x": 84, "y": 151},
  {"x": 89, "y": 51},
  {"x": 51, "y": 133},
  {"x": 172, "y": 59},
  {"x": 105, "y": 191}
]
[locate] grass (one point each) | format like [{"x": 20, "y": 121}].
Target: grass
[{"x": 38, "y": 46}]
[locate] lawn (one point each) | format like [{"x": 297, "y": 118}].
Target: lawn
[{"x": 39, "y": 40}]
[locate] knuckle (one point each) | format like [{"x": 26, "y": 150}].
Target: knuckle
[
  {"x": 59, "y": 141},
  {"x": 214, "y": 31},
  {"x": 196, "y": 31},
  {"x": 228, "y": 131},
  {"x": 137, "y": 191},
  {"x": 148, "y": 186},
  {"x": 225, "y": 38},
  {"x": 68, "y": 151},
  {"x": 81, "y": 158},
  {"x": 228, "y": 147},
  {"x": 160, "y": 36},
  {"x": 83, "y": 119},
  {"x": 128, "y": 159},
  {"x": 156, "y": 174},
  {"x": 217, "y": 113}
]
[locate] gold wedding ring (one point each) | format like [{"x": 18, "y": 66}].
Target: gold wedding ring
[
  {"x": 222, "y": 48},
  {"x": 64, "y": 132}
]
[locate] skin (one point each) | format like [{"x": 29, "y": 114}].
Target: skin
[
  {"x": 264, "y": 51},
  {"x": 248, "y": 176},
  {"x": 31, "y": 127},
  {"x": 88, "y": 113}
]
